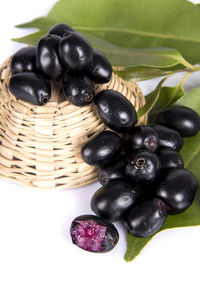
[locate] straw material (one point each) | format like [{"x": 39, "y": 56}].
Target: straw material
[{"x": 40, "y": 146}]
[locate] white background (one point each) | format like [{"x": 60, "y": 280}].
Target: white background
[{"x": 38, "y": 260}]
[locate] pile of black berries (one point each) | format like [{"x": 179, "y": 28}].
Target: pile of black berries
[
  {"x": 61, "y": 55},
  {"x": 141, "y": 171},
  {"x": 142, "y": 174}
]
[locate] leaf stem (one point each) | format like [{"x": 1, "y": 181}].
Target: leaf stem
[
  {"x": 187, "y": 64},
  {"x": 185, "y": 77}
]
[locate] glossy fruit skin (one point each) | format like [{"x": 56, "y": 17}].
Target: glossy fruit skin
[
  {"x": 115, "y": 111},
  {"x": 60, "y": 29},
  {"x": 24, "y": 60},
  {"x": 114, "y": 200},
  {"x": 169, "y": 159},
  {"x": 76, "y": 52},
  {"x": 142, "y": 166},
  {"x": 78, "y": 88},
  {"x": 30, "y": 87},
  {"x": 177, "y": 189},
  {"x": 180, "y": 118},
  {"x": 115, "y": 170},
  {"x": 146, "y": 218},
  {"x": 48, "y": 61},
  {"x": 144, "y": 138},
  {"x": 102, "y": 149},
  {"x": 111, "y": 235},
  {"x": 101, "y": 70},
  {"x": 168, "y": 137}
]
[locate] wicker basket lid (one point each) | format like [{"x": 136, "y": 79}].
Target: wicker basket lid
[{"x": 40, "y": 146}]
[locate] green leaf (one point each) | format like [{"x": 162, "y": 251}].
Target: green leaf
[
  {"x": 191, "y": 156},
  {"x": 135, "y": 246},
  {"x": 151, "y": 100},
  {"x": 168, "y": 96},
  {"x": 119, "y": 56},
  {"x": 140, "y": 73},
  {"x": 31, "y": 39},
  {"x": 130, "y": 24},
  {"x": 191, "y": 99}
]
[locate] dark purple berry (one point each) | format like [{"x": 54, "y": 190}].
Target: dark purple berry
[
  {"x": 78, "y": 88},
  {"x": 102, "y": 149},
  {"x": 48, "y": 61},
  {"x": 168, "y": 137},
  {"x": 75, "y": 52},
  {"x": 30, "y": 87},
  {"x": 144, "y": 138},
  {"x": 115, "y": 111},
  {"x": 142, "y": 166},
  {"x": 24, "y": 60},
  {"x": 169, "y": 159},
  {"x": 101, "y": 70},
  {"x": 115, "y": 170},
  {"x": 113, "y": 200},
  {"x": 146, "y": 218},
  {"x": 93, "y": 234},
  {"x": 177, "y": 189},
  {"x": 180, "y": 118},
  {"x": 60, "y": 29}
]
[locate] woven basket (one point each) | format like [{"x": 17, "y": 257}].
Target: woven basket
[{"x": 40, "y": 146}]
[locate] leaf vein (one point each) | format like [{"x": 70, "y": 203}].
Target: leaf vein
[{"x": 143, "y": 33}]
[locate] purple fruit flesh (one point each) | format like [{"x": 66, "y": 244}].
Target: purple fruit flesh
[
  {"x": 89, "y": 235},
  {"x": 93, "y": 234}
]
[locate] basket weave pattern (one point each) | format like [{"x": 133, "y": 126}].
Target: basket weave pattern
[{"x": 40, "y": 146}]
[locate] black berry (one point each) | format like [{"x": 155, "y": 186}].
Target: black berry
[
  {"x": 101, "y": 69},
  {"x": 114, "y": 200},
  {"x": 78, "y": 88},
  {"x": 60, "y": 29},
  {"x": 115, "y": 170},
  {"x": 170, "y": 159},
  {"x": 30, "y": 87},
  {"x": 168, "y": 137},
  {"x": 115, "y": 110},
  {"x": 144, "y": 137},
  {"x": 75, "y": 52},
  {"x": 24, "y": 60},
  {"x": 142, "y": 166},
  {"x": 48, "y": 61},
  {"x": 177, "y": 189},
  {"x": 146, "y": 218},
  {"x": 102, "y": 149},
  {"x": 181, "y": 118}
]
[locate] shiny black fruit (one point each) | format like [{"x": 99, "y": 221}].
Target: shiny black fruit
[
  {"x": 177, "y": 189},
  {"x": 78, "y": 87},
  {"x": 76, "y": 52},
  {"x": 48, "y": 61},
  {"x": 101, "y": 69},
  {"x": 170, "y": 159},
  {"x": 93, "y": 234},
  {"x": 114, "y": 200},
  {"x": 115, "y": 111},
  {"x": 146, "y": 218},
  {"x": 144, "y": 137},
  {"x": 102, "y": 149},
  {"x": 24, "y": 60},
  {"x": 30, "y": 87},
  {"x": 181, "y": 118},
  {"x": 115, "y": 170},
  {"x": 168, "y": 137},
  {"x": 142, "y": 166},
  {"x": 60, "y": 29}
]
